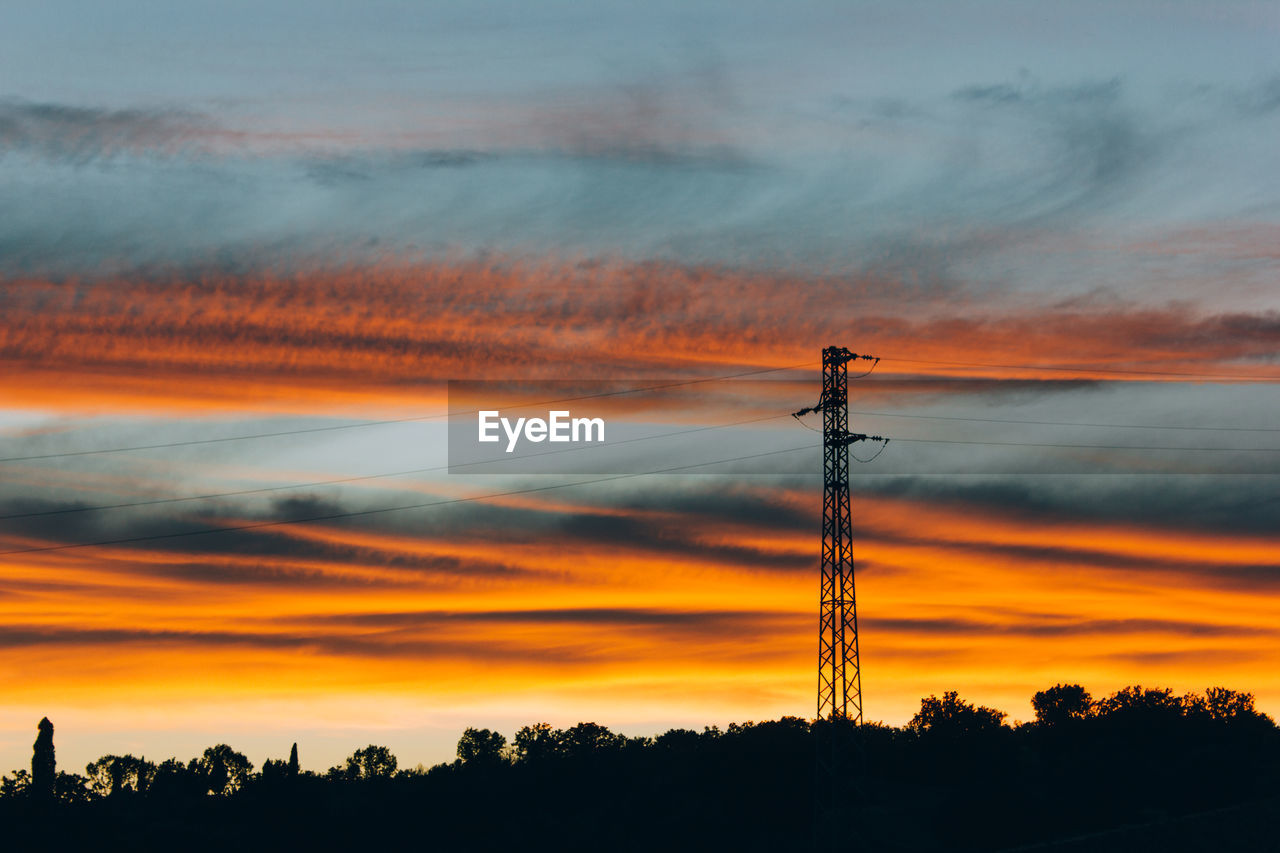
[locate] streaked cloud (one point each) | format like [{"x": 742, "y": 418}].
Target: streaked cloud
[{"x": 383, "y": 331}]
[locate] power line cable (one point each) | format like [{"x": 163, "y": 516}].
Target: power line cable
[
  {"x": 364, "y": 424},
  {"x": 1087, "y": 369},
  {"x": 1093, "y": 446},
  {"x": 391, "y": 474},
  {"x": 380, "y": 510},
  {"x": 360, "y": 513},
  {"x": 884, "y": 442},
  {"x": 387, "y": 475},
  {"x": 1061, "y": 445},
  {"x": 1064, "y": 423},
  {"x": 420, "y": 418}
]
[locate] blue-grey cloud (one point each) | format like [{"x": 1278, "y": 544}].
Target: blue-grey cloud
[
  {"x": 75, "y": 136},
  {"x": 966, "y": 191}
]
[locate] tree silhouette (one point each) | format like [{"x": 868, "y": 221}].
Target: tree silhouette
[
  {"x": 588, "y": 738},
  {"x": 953, "y": 716},
  {"x": 1225, "y": 705},
  {"x": 1062, "y": 703},
  {"x": 43, "y": 766},
  {"x": 372, "y": 762},
  {"x": 112, "y": 775},
  {"x": 17, "y": 785},
  {"x": 481, "y": 747},
  {"x": 678, "y": 740},
  {"x": 274, "y": 770},
  {"x": 175, "y": 780},
  {"x": 1137, "y": 701},
  {"x": 71, "y": 788},
  {"x": 537, "y": 742},
  {"x": 225, "y": 771}
]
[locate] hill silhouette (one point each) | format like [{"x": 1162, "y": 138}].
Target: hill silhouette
[{"x": 1139, "y": 769}]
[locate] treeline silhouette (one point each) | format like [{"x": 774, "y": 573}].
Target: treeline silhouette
[{"x": 1141, "y": 768}]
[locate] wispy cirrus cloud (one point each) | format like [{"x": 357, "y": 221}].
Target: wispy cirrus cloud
[{"x": 969, "y": 188}]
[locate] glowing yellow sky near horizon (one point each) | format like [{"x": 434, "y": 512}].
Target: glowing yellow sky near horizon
[{"x": 616, "y": 634}]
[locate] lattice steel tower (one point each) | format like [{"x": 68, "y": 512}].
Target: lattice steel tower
[{"x": 839, "y": 674}]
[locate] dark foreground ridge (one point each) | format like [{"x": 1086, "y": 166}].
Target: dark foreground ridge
[{"x": 1141, "y": 769}]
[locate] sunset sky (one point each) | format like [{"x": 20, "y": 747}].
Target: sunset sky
[{"x": 244, "y": 246}]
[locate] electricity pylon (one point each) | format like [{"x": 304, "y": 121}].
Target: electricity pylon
[{"x": 839, "y": 671}]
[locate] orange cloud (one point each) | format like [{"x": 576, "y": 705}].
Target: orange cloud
[
  {"x": 335, "y": 339},
  {"x": 665, "y": 618}
]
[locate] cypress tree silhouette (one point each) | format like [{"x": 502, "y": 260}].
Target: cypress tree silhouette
[
  {"x": 293, "y": 761},
  {"x": 43, "y": 766}
]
